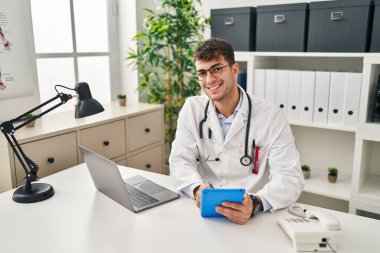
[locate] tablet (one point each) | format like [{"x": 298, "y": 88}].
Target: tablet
[{"x": 210, "y": 198}]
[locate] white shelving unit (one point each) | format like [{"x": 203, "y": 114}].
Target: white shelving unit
[{"x": 355, "y": 151}]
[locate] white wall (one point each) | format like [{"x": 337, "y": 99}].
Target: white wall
[{"x": 127, "y": 29}]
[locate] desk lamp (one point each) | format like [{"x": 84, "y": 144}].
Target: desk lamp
[{"x": 35, "y": 192}]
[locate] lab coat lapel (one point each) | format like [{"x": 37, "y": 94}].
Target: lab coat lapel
[
  {"x": 240, "y": 120},
  {"x": 214, "y": 124}
]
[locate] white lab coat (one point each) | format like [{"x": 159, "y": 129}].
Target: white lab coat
[{"x": 279, "y": 179}]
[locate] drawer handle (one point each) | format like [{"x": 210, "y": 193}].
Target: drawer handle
[
  {"x": 279, "y": 19},
  {"x": 148, "y": 166},
  {"x": 106, "y": 143},
  {"x": 228, "y": 20},
  {"x": 147, "y": 130},
  {"x": 337, "y": 15},
  {"x": 50, "y": 160}
]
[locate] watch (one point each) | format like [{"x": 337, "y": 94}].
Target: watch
[{"x": 256, "y": 205}]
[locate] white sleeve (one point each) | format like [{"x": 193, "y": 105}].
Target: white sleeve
[
  {"x": 286, "y": 180},
  {"x": 184, "y": 151}
]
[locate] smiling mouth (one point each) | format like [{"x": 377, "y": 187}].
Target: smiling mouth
[{"x": 214, "y": 87}]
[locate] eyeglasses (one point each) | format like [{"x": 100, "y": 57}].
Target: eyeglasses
[{"x": 215, "y": 71}]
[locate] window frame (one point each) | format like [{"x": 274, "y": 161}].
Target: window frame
[{"x": 112, "y": 53}]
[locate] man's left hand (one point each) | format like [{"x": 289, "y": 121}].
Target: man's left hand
[{"x": 238, "y": 213}]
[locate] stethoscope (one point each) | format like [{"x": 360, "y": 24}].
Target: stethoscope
[{"x": 245, "y": 160}]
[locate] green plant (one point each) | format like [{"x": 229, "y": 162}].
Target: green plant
[
  {"x": 305, "y": 167},
  {"x": 333, "y": 171},
  {"x": 164, "y": 56},
  {"x": 121, "y": 96}
]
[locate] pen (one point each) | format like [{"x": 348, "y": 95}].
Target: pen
[
  {"x": 256, "y": 160},
  {"x": 210, "y": 184},
  {"x": 253, "y": 150}
]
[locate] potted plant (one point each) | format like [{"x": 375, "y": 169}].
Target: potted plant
[
  {"x": 122, "y": 98},
  {"x": 306, "y": 171},
  {"x": 164, "y": 56},
  {"x": 333, "y": 174}
]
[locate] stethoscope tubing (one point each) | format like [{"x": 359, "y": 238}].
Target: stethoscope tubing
[{"x": 245, "y": 160}]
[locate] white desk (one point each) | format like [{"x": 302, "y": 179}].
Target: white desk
[{"x": 80, "y": 219}]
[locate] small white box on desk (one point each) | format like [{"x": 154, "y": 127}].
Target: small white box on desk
[
  {"x": 336, "y": 102},
  {"x": 271, "y": 85},
  {"x": 282, "y": 89},
  {"x": 259, "y": 83},
  {"x": 294, "y": 95},
  {"x": 352, "y": 99},
  {"x": 321, "y": 99},
  {"x": 307, "y": 96}
]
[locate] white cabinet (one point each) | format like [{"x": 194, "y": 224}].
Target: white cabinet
[
  {"x": 130, "y": 136},
  {"x": 353, "y": 149}
]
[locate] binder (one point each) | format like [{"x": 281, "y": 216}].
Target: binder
[
  {"x": 336, "y": 102},
  {"x": 259, "y": 83},
  {"x": 294, "y": 95},
  {"x": 321, "y": 98},
  {"x": 271, "y": 85},
  {"x": 282, "y": 90},
  {"x": 307, "y": 96},
  {"x": 352, "y": 99}
]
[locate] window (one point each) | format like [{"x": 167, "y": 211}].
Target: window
[{"x": 73, "y": 44}]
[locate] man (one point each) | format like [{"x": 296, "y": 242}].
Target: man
[{"x": 233, "y": 140}]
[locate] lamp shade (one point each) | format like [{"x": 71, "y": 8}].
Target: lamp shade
[{"x": 86, "y": 106}]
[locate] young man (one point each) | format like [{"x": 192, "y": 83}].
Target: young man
[{"x": 232, "y": 139}]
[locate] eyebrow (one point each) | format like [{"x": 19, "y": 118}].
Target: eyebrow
[{"x": 200, "y": 70}]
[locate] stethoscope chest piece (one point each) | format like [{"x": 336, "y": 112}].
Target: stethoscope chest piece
[{"x": 245, "y": 160}]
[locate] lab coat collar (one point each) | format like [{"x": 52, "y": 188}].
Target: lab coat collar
[
  {"x": 240, "y": 119},
  {"x": 238, "y": 123}
]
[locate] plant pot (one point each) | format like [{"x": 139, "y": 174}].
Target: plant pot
[
  {"x": 306, "y": 174},
  {"x": 332, "y": 179},
  {"x": 31, "y": 124},
  {"x": 122, "y": 102}
]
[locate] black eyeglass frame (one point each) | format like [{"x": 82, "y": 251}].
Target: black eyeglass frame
[{"x": 214, "y": 74}]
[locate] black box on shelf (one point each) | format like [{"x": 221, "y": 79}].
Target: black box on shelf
[
  {"x": 340, "y": 26},
  {"x": 282, "y": 28},
  {"x": 375, "y": 40},
  {"x": 236, "y": 25}
]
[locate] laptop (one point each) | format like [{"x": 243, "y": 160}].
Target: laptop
[{"x": 135, "y": 193}]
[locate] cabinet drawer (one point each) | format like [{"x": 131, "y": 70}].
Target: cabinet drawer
[
  {"x": 150, "y": 160},
  {"x": 107, "y": 139},
  {"x": 51, "y": 155},
  {"x": 144, "y": 130}
]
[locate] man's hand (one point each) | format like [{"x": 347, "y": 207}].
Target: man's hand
[
  {"x": 197, "y": 194},
  {"x": 238, "y": 213}
]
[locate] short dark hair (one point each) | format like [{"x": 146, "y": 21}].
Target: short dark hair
[{"x": 214, "y": 48}]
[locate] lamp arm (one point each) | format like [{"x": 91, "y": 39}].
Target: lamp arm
[{"x": 8, "y": 130}]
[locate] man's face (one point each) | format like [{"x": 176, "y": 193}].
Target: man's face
[{"x": 219, "y": 78}]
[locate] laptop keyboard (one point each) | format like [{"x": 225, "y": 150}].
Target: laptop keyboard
[{"x": 139, "y": 198}]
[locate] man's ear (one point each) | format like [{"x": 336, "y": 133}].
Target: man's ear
[{"x": 235, "y": 69}]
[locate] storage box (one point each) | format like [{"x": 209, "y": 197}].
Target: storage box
[
  {"x": 375, "y": 41},
  {"x": 282, "y": 27},
  {"x": 340, "y": 26},
  {"x": 236, "y": 25}
]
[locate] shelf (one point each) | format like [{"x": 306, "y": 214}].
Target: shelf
[
  {"x": 373, "y": 57},
  {"x": 370, "y": 189},
  {"x": 320, "y": 126},
  {"x": 319, "y": 184}
]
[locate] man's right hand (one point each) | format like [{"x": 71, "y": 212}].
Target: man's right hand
[{"x": 197, "y": 194}]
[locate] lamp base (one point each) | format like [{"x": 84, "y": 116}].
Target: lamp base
[{"x": 37, "y": 192}]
